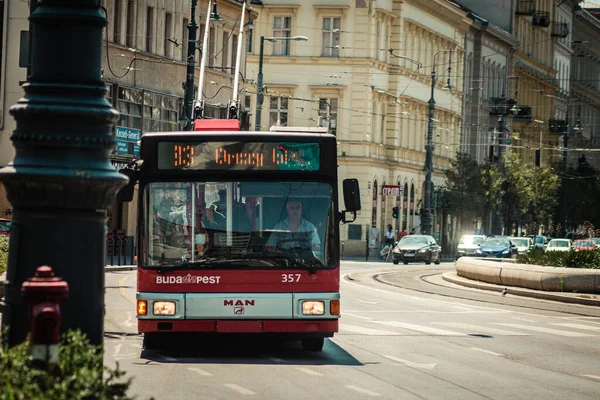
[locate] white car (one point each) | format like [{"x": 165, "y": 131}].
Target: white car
[
  {"x": 559, "y": 245},
  {"x": 469, "y": 244},
  {"x": 523, "y": 244}
]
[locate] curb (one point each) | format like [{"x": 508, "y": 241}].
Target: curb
[{"x": 452, "y": 277}]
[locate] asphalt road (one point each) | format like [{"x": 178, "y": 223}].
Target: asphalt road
[{"x": 426, "y": 339}]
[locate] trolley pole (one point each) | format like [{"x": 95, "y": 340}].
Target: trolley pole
[{"x": 61, "y": 182}]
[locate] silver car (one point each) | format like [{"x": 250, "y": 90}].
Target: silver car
[
  {"x": 524, "y": 244},
  {"x": 469, "y": 244},
  {"x": 417, "y": 248}
]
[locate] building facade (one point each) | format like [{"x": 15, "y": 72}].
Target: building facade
[
  {"x": 144, "y": 65},
  {"x": 366, "y": 71}
]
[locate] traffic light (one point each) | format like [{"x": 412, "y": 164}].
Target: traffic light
[
  {"x": 538, "y": 158},
  {"x": 395, "y": 212}
]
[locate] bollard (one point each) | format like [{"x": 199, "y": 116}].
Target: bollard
[{"x": 43, "y": 293}]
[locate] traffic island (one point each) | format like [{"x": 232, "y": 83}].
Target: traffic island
[{"x": 551, "y": 279}]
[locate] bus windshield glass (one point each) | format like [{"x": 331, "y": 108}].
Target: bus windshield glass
[{"x": 238, "y": 225}]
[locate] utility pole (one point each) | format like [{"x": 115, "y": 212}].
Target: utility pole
[
  {"x": 191, "y": 66},
  {"x": 497, "y": 219},
  {"x": 61, "y": 182},
  {"x": 259, "y": 85}
]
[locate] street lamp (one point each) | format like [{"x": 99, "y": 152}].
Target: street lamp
[
  {"x": 426, "y": 215},
  {"x": 259, "y": 95}
]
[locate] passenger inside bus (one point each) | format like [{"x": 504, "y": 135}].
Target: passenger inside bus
[{"x": 294, "y": 231}]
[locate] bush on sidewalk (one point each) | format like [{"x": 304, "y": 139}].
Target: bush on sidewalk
[
  {"x": 564, "y": 259},
  {"x": 3, "y": 253},
  {"x": 80, "y": 374}
]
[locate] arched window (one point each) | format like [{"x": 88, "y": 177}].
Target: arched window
[{"x": 374, "y": 215}]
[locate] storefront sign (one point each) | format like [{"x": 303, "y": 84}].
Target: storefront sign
[
  {"x": 127, "y": 141},
  {"x": 391, "y": 190}
]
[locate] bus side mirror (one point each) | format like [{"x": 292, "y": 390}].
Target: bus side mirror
[
  {"x": 125, "y": 195},
  {"x": 351, "y": 199}
]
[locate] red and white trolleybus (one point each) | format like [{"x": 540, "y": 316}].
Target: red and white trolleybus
[{"x": 238, "y": 232}]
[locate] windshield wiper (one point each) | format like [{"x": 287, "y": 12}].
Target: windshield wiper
[{"x": 228, "y": 262}]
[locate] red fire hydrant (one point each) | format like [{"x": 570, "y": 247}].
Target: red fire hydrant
[{"x": 44, "y": 293}]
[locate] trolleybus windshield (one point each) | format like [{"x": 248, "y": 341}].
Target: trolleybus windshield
[{"x": 238, "y": 224}]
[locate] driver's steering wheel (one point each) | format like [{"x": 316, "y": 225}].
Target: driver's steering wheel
[{"x": 296, "y": 248}]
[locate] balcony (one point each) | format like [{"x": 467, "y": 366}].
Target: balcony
[
  {"x": 525, "y": 7},
  {"x": 500, "y": 105},
  {"x": 557, "y": 125},
  {"x": 541, "y": 18},
  {"x": 560, "y": 29},
  {"x": 523, "y": 115}
]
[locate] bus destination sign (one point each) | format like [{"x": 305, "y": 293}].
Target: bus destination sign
[{"x": 235, "y": 156}]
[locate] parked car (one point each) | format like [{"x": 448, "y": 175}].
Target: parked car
[
  {"x": 584, "y": 245},
  {"x": 417, "y": 248},
  {"x": 5, "y": 226},
  {"x": 559, "y": 245},
  {"x": 497, "y": 247},
  {"x": 468, "y": 244},
  {"x": 523, "y": 244},
  {"x": 596, "y": 241},
  {"x": 539, "y": 241}
]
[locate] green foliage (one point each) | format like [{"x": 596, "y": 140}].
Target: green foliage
[
  {"x": 3, "y": 253},
  {"x": 564, "y": 259},
  {"x": 80, "y": 374}
]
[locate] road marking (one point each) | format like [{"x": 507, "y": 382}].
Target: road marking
[
  {"x": 525, "y": 319},
  {"x": 363, "y": 391},
  {"x": 122, "y": 289},
  {"x": 239, "y": 389},
  {"x": 117, "y": 349},
  {"x": 475, "y": 329},
  {"x": 200, "y": 371},
  {"x": 309, "y": 371},
  {"x": 412, "y": 364},
  {"x": 366, "y": 331},
  {"x": 592, "y": 376},
  {"x": 546, "y": 330},
  {"x": 420, "y": 328},
  {"x": 487, "y": 352},
  {"x": 580, "y": 326},
  {"x": 368, "y": 302},
  {"x": 356, "y": 316},
  {"x": 167, "y": 358}
]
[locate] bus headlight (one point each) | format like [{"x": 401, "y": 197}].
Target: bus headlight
[
  {"x": 164, "y": 308},
  {"x": 313, "y": 307}
]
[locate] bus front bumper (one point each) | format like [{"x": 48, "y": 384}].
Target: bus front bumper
[{"x": 321, "y": 327}]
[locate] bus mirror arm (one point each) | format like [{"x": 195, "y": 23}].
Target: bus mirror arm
[
  {"x": 345, "y": 220},
  {"x": 132, "y": 172}
]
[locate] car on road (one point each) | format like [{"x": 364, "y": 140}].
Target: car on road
[
  {"x": 413, "y": 248},
  {"x": 523, "y": 244},
  {"x": 539, "y": 241},
  {"x": 5, "y": 225},
  {"x": 468, "y": 244},
  {"x": 497, "y": 247},
  {"x": 559, "y": 245},
  {"x": 584, "y": 245}
]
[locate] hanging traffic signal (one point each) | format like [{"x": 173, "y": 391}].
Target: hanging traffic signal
[
  {"x": 395, "y": 212},
  {"x": 538, "y": 158}
]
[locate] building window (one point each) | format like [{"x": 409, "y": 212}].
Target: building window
[
  {"x": 249, "y": 40},
  {"x": 278, "y": 111},
  {"x": 117, "y": 22},
  {"x": 225, "y": 53},
  {"x": 282, "y": 27},
  {"x": 212, "y": 59},
  {"x": 377, "y": 40},
  {"x": 168, "y": 35},
  {"x": 331, "y": 37},
  {"x": 129, "y": 104},
  {"x": 129, "y": 34},
  {"x": 160, "y": 112},
  {"x": 374, "y": 206},
  {"x": 150, "y": 29},
  {"x": 234, "y": 46},
  {"x": 185, "y": 35},
  {"x": 328, "y": 110}
]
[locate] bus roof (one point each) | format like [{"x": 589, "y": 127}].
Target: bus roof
[{"x": 250, "y": 135}]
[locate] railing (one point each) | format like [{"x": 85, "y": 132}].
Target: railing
[
  {"x": 560, "y": 29},
  {"x": 541, "y": 18},
  {"x": 525, "y": 7}
]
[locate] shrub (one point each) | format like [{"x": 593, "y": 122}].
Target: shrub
[
  {"x": 80, "y": 374},
  {"x": 566, "y": 259},
  {"x": 3, "y": 253}
]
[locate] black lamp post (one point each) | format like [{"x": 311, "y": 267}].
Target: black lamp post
[
  {"x": 260, "y": 96},
  {"x": 426, "y": 213},
  {"x": 191, "y": 66},
  {"x": 61, "y": 182}
]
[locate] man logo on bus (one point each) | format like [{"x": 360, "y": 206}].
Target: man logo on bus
[
  {"x": 238, "y": 310},
  {"x": 238, "y": 303}
]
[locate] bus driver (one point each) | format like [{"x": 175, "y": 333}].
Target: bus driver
[{"x": 294, "y": 231}]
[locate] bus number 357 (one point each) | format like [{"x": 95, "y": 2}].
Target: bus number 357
[{"x": 289, "y": 278}]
